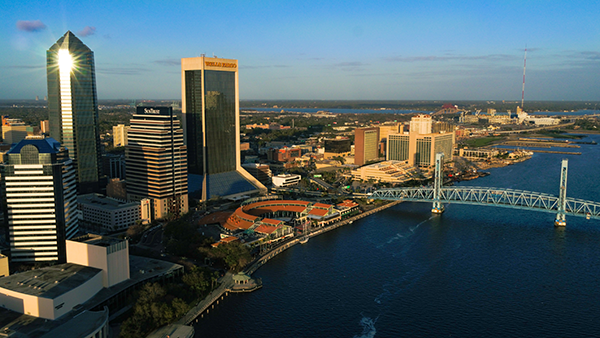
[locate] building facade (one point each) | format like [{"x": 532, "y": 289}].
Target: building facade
[
  {"x": 366, "y": 145},
  {"x": 39, "y": 182},
  {"x": 398, "y": 147},
  {"x": 15, "y": 130},
  {"x": 284, "y": 154},
  {"x": 73, "y": 107},
  {"x": 286, "y": 180},
  {"x": 157, "y": 161},
  {"x": 210, "y": 105},
  {"x": 108, "y": 214},
  {"x": 262, "y": 172},
  {"x": 114, "y": 165},
  {"x": 120, "y": 135},
  {"x": 337, "y": 147},
  {"x": 419, "y": 146}
]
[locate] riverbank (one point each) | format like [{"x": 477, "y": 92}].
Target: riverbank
[{"x": 227, "y": 283}]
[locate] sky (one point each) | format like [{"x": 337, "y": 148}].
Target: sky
[{"x": 317, "y": 50}]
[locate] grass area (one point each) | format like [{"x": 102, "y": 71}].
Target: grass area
[
  {"x": 482, "y": 142},
  {"x": 557, "y": 134}
]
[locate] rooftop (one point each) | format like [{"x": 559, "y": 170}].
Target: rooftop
[
  {"x": 142, "y": 269},
  {"x": 49, "y": 282},
  {"x": 46, "y": 145},
  {"x": 104, "y": 202},
  {"x": 97, "y": 240}
]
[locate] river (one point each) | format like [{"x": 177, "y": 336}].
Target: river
[{"x": 471, "y": 272}]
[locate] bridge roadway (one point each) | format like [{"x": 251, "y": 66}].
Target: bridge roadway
[{"x": 508, "y": 198}]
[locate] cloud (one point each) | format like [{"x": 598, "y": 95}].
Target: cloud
[
  {"x": 350, "y": 65},
  {"x": 30, "y": 26},
  {"x": 590, "y": 55},
  {"x": 87, "y": 31},
  {"x": 169, "y": 62}
]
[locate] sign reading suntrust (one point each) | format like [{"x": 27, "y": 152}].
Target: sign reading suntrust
[{"x": 154, "y": 110}]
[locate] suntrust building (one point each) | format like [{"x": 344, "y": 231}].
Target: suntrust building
[{"x": 210, "y": 104}]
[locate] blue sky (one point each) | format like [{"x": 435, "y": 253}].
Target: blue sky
[{"x": 345, "y": 50}]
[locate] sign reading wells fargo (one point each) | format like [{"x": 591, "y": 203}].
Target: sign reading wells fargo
[{"x": 220, "y": 64}]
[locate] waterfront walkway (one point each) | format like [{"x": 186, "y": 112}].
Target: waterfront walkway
[
  {"x": 227, "y": 281},
  {"x": 214, "y": 296}
]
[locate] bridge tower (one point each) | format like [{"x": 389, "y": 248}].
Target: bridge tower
[
  {"x": 562, "y": 196},
  {"x": 438, "y": 208}
]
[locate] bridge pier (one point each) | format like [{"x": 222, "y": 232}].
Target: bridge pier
[
  {"x": 562, "y": 197},
  {"x": 437, "y": 207}
]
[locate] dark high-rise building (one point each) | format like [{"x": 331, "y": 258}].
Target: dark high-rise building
[
  {"x": 38, "y": 182},
  {"x": 338, "y": 145},
  {"x": 73, "y": 107},
  {"x": 210, "y": 104}
]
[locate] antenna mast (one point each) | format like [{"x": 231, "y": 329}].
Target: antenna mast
[{"x": 524, "y": 67}]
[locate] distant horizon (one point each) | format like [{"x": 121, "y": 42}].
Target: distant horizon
[
  {"x": 441, "y": 101},
  {"x": 138, "y": 100}
]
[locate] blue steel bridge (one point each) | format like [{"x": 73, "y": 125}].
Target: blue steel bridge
[{"x": 498, "y": 197}]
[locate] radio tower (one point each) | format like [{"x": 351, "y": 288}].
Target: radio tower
[{"x": 524, "y": 67}]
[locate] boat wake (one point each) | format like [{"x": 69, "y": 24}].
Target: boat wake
[
  {"x": 406, "y": 235},
  {"x": 368, "y": 326}
]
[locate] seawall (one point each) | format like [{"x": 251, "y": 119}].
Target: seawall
[{"x": 226, "y": 286}]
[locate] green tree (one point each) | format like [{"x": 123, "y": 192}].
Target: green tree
[
  {"x": 235, "y": 255},
  {"x": 198, "y": 279}
]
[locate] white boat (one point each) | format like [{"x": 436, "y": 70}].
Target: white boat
[{"x": 305, "y": 237}]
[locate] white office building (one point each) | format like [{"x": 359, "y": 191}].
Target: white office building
[
  {"x": 107, "y": 213},
  {"x": 285, "y": 180},
  {"x": 39, "y": 183}
]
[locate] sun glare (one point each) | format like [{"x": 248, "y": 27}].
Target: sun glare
[{"x": 65, "y": 62}]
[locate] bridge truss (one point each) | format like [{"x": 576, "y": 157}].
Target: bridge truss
[{"x": 499, "y": 197}]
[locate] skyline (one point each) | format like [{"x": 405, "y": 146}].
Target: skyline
[{"x": 313, "y": 50}]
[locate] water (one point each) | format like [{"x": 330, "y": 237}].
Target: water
[
  {"x": 471, "y": 272},
  {"x": 337, "y": 110},
  {"x": 399, "y": 111}
]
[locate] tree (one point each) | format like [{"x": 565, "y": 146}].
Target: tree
[
  {"x": 198, "y": 279},
  {"x": 235, "y": 255}
]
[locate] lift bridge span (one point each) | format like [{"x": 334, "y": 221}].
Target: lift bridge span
[{"x": 509, "y": 198}]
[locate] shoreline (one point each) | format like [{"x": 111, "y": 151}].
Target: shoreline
[{"x": 226, "y": 287}]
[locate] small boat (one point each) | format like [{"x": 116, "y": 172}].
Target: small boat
[
  {"x": 304, "y": 238},
  {"x": 350, "y": 222}
]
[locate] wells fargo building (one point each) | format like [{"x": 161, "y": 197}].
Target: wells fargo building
[{"x": 210, "y": 104}]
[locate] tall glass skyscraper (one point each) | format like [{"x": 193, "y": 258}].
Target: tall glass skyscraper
[
  {"x": 73, "y": 107},
  {"x": 210, "y": 102}
]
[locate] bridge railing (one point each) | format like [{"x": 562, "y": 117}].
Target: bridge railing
[{"x": 511, "y": 198}]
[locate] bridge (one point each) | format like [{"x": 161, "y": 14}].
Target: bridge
[{"x": 508, "y": 198}]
